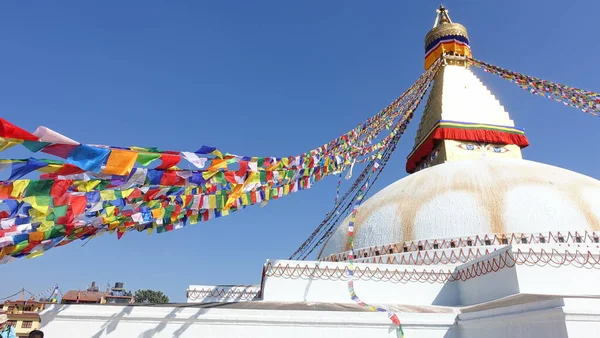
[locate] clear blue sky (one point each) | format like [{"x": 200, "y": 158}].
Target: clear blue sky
[{"x": 261, "y": 78}]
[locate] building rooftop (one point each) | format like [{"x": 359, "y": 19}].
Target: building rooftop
[{"x": 86, "y": 296}]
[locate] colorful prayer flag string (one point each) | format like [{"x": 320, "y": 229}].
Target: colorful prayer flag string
[
  {"x": 95, "y": 189},
  {"x": 587, "y": 101},
  {"x": 350, "y": 269}
]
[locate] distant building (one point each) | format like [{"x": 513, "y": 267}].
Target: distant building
[
  {"x": 116, "y": 295},
  {"x": 23, "y": 315}
]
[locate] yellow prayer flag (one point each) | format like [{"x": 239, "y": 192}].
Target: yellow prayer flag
[
  {"x": 212, "y": 202},
  {"x": 193, "y": 219},
  {"x": 151, "y": 204},
  {"x": 38, "y": 218},
  {"x": 217, "y": 154},
  {"x": 253, "y": 178},
  {"x": 217, "y": 164},
  {"x": 108, "y": 195},
  {"x": 86, "y": 186},
  {"x": 45, "y": 226},
  {"x": 158, "y": 213},
  {"x": 19, "y": 187},
  {"x": 6, "y": 143},
  {"x": 208, "y": 174},
  {"x": 34, "y": 204},
  {"x": 235, "y": 194},
  {"x": 245, "y": 200},
  {"x": 109, "y": 210},
  {"x": 50, "y": 168},
  {"x": 125, "y": 193},
  {"x": 35, "y": 254}
]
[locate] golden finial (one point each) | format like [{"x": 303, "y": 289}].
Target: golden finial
[
  {"x": 445, "y": 38},
  {"x": 442, "y": 16}
]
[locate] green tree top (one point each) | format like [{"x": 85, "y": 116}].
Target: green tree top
[{"x": 150, "y": 297}]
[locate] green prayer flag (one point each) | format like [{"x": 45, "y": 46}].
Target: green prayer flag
[
  {"x": 60, "y": 211},
  {"x": 220, "y": 178},
  {"x": 54, "y": 232},
  {"x": 289, "y": 174},
  {"x": 19, "y": 247},
  {"x": 38, "y": 188},
  {"x": 147, "y": 158},
  {"x": 102, "y": 185},
  {"x": 34, "y": 146}
]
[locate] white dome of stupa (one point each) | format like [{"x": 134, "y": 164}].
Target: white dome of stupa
[{"x": 474, "y": 197}]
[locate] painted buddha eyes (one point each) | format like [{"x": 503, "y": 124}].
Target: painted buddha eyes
[
  {"x": 469, "y": 146},
  {"x": 497, "y": 149},
  {"x": 494, "y": 148}
]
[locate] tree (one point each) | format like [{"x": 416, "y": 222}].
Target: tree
[{"x": 150, "y": 297}]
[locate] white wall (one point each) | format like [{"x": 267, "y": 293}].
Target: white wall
[
  {"x": 371, "y": 290},
  {"x": 489, "y": 286},
  {"x": 96, "y": 321},
  {"x": 548, "y": 318}
]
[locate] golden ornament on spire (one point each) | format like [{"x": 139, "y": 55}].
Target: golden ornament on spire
[{"x": 445, "y": 38}]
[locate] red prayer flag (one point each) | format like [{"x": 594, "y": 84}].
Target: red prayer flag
[
  {"x": 62, "y": 200},
  {"x": 243, "y": 168},
  {"x": 230, "y": 176},
  {"x": 171, "y": 178},
  {"x": 168, "y": 160},
  {"x": 29, "y": 247},
  {"x": 78, "y": 204},
  {"x": 394, "y": 318},
  {"x": 60, "y": 150},
  {"x": 67, "y": 219},
  {"x": 60, "y": 187},
  {"x": 69, "y": 228},
  {"x": 9, "y": 130},
  {"x": 151, "y": 194},
  {"x": 135, "y": 194},
  {"x": 5, "y": 190}
]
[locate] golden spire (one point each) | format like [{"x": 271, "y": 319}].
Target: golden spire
[
  {"x": 442, "y": 16},
  {"x": 445, "y": 38}
]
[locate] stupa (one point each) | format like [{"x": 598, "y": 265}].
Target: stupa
[{"x": 475, "y": 242}]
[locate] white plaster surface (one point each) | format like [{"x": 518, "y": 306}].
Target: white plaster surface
[
  {"x": 458, "y": 95},
  {"x": 472, "y": 197}
]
